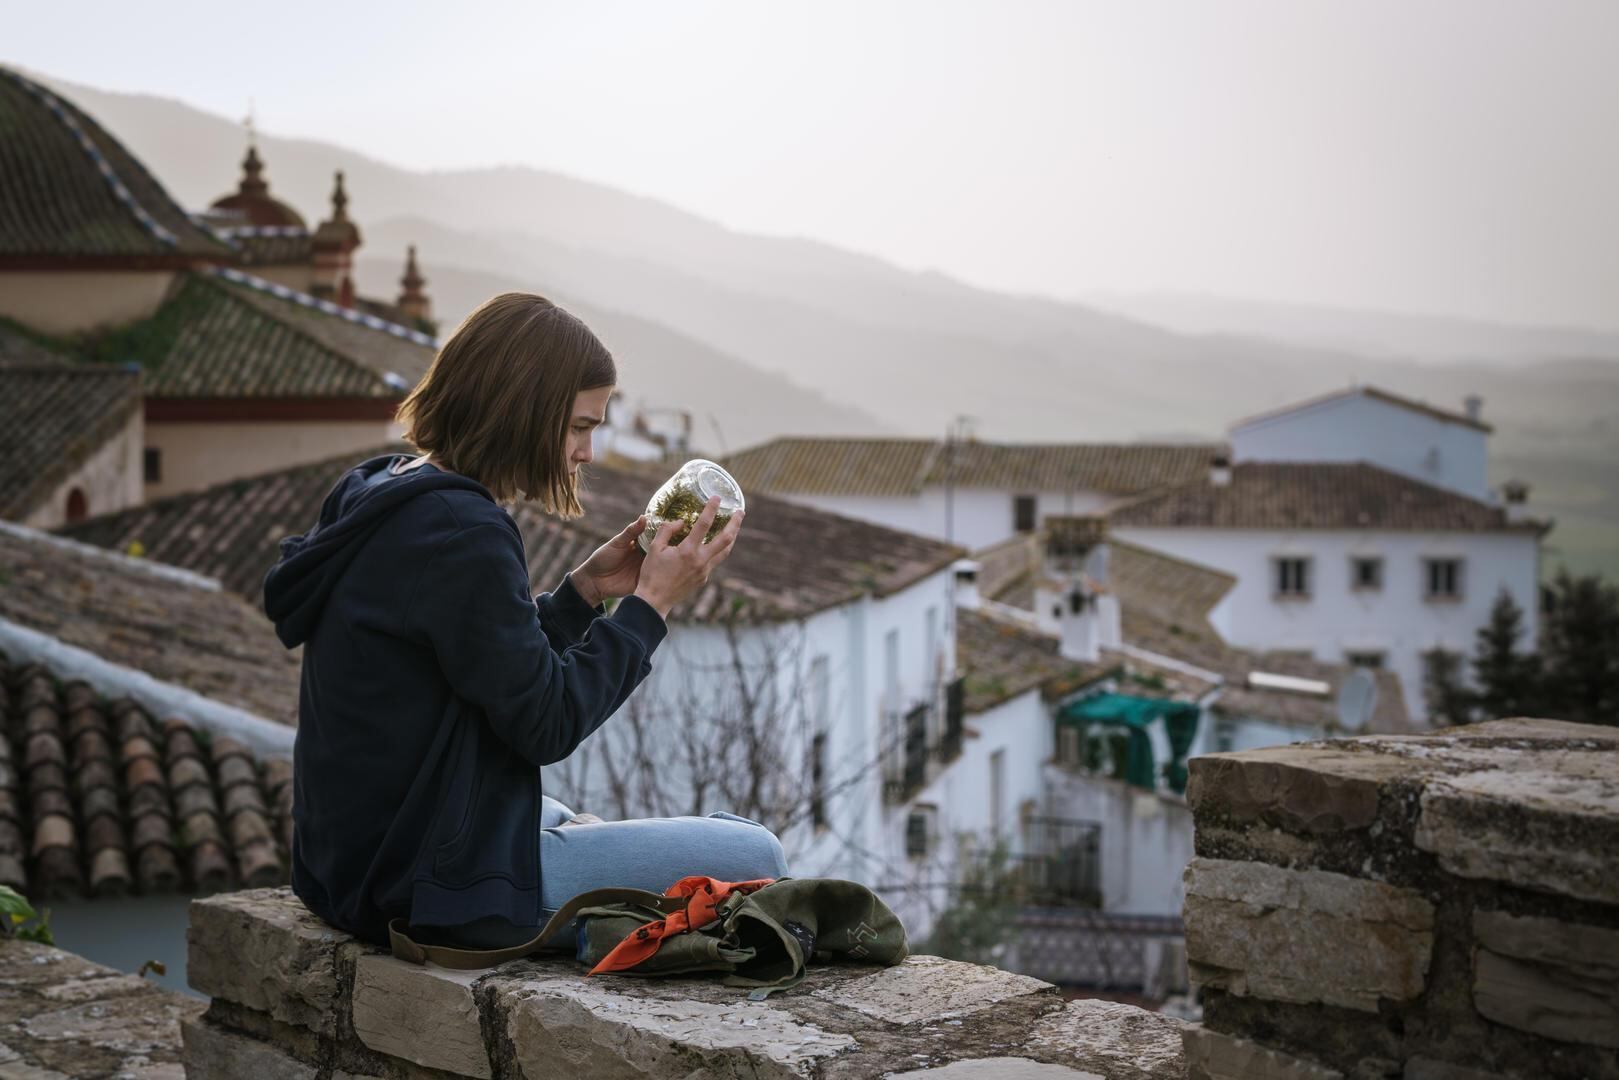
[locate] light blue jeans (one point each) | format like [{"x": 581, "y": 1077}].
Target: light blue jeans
[{"x": 643, "y": 853}]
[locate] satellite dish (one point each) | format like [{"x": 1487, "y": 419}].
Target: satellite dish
[{"x": 1357, "y": 697}]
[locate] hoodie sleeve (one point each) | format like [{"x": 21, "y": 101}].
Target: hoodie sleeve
[
  {"x": 472, "y": 602},
  {"x": 564, "y": 615}
]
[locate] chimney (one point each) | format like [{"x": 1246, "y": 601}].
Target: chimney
[
  {"x": 1515, "y": 493},
  {"x": 966, "y": 584},
  {"x": 1220, "y": 470},
  {"x": 1474, "y": 406}
]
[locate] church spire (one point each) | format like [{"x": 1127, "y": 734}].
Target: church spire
[{"x": 413, "y": 302}]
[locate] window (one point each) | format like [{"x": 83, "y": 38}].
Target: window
[
  {"x": 1367, "y": 659},
  {"x": 997, "y": 790},
  {"x": 1366, "y": 574},
  {"x": 78, "y": 507},
  {"x": 930, "y": 661},
  {"x": 1293, "y": 578},
  {"x": 817, "y": 801},
  {"x": 1023, "y": 513},
  {"x": 1442, "y": 579},
  {"x": 1225, "y": 736},
  {"x": 154, "y": 465},
  {"x": 891, "y": 669},
  {"x": 1068, "y": 746},
  {"x": 919, "y": 831}
]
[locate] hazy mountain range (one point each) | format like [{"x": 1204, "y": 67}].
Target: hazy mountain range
[{"x": 771, "y": 336}]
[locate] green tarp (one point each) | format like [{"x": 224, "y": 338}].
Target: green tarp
[{"x": 1135, "y": 715}]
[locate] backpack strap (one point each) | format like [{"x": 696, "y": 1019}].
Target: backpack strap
[{"x": 407, "y": 948}]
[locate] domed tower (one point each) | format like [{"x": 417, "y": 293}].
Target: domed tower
[
  {"x": 413, "y": 302},
  {"x": 251, "y": 203},
  {"x": 334, "y": 245}
]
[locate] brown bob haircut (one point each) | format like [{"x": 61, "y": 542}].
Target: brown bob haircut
[{"x": 496, "y": 404}]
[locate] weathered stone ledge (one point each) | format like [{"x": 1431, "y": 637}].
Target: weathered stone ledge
[
  {"x": 1441, "y": 907},
  {"x": 296, "y": 1000}
]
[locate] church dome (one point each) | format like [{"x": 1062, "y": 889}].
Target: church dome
[{"x": 252, "y": 203}]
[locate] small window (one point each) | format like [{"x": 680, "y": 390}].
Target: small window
[
  {"x": 1023, "y": 513},
  {"x": 997, "y": 790},
  {"x": 919, "y": 832},
  {"x": 1368, "y": 659},
  {"x": 817, "y": 804},
  {"x": 1442, "y": 579},
  {"x": 1366, "y": 574},
  {"x": 78, "y": 507},
  {"x": 1068, "y": 746},
  {"x": 1293, "y": 578},
  {"x": 154, "y": 465}
]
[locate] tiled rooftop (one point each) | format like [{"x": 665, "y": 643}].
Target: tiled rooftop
[
  {"x": 100, "y": 798},
  {"x": 1164, "y": 605},
  {"x": 791, "y": 561},
  {"x": 1449, "y": 416},
  {"x": 131, "y": 613},
  {"x": 19, "y": 348},
  {"x": 220, "y": 339},
  {"x": 1272, "y": 495},
  {"x": 52, "y": 418},
  {"x": 848, "y": 466},
  {"x": 1000, "y": 659},
  {"x": 59, "y": 203}
]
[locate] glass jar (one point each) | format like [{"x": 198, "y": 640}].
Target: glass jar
[{"x": 683, "y": 496}]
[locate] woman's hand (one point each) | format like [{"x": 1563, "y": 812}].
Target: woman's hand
[
  {"x": 612, "y": 569},
  {"x": 674, "y": 572}
]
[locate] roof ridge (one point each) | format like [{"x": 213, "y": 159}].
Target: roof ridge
[
  {"x": 395, "y": 382},
  {"x": 1155, "y": 553},
  {"x": 128, "y": 562},
  {"x": 326, "y": 307},
  {"x": 121, "y": 192}
]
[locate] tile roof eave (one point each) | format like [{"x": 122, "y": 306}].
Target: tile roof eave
[{"x": 106, "y": 428}]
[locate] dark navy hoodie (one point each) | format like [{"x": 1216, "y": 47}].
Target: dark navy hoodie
[{"x": 434, "y": 687}]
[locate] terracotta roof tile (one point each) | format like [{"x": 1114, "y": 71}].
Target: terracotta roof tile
[
  {"x": 58, "y": 201},
  {"x": 1275, "y": 495},
  {"x": 1000, "y": 659},
  {"x": 793, "y": 560},
  {"x": 52, "y": 418},
  {"x": 89, "y": 828},
  {"x": 126, "y": 612},
  {"x": 847, "y": 466}
]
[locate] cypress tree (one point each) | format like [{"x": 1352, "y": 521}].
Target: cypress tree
[
  {"x": 1580, "y": 647},
  {"x": 1508, "y": 680},
  {"x": 1449, "y": 702}
]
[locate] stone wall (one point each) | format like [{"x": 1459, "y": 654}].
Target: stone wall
[
  {"x": 295, "y": 1000},
  {"x": 1441, "y": 907}
]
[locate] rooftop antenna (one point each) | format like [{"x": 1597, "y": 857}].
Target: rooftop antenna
[{"x": 1357, "y": 697}]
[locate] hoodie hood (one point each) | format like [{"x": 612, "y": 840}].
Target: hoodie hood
[{"x": 296, "y": 588}]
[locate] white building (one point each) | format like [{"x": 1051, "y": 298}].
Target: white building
[
  {"x": 1365, "y": 424},
  {"x": 1347, "y": 563},
  {"x": 964, "y": 492}
]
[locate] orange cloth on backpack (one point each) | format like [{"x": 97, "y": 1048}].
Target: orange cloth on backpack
[{"x": 703, "y": 898}]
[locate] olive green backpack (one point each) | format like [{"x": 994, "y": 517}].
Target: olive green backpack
[{"x": 763, "y": 939}]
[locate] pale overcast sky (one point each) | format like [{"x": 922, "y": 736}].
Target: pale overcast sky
[{"x": 1448, "y": 156}]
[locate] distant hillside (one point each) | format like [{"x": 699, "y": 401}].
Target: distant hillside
[
  {"x": 732, "y": 404},
  {"x": 1373, "y": 333}
]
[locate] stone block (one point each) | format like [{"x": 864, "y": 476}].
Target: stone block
[
  {"x": 423, "y": 1014},
  {"x": 1427, "y": 1068},
  {"x": 999, "y": 1068},
  {"x": 930, "y": 988},
  {"x": 1554, "y": 979},
  {"x": 1297, "y": 788},
  {"x": 586, "y": 1030},
  {"x": 1550, "y": 824},
  {"x": 1305, "y": 936},
  {"x": 1120, "y": 1042},
  {"x": 263, "y": 949},
  {"x": 214, "y": 1053},
  {"x": 1211, "y": 1055}
]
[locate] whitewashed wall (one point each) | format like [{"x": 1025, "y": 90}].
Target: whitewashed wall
[
  {"x": 110, "y": 478},
  {"x": 978, "y": 517},
  {"x": 1146, "y": 838},
  {"x": 1360, "y": 428},
  {"x": 197, "y": 455},
  {"x": 1336, "y": 619}
]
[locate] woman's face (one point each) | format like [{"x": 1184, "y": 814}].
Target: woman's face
[{"x": 589, "y": 411}]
